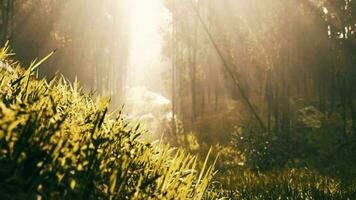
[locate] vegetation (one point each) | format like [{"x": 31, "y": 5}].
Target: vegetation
[
  {"x": 289, "y": 184},
  {"x": 58, "y": 142},
  {"x": 270, "y": 85},
  {"x": 267, "y": 86}
]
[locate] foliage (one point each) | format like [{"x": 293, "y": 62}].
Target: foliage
[
  {"x": 316, "y": 140},
  {"x": 59, "y": 142},
  {"x": 268, "y": 151},
  {"x": 287, "y": 184}
]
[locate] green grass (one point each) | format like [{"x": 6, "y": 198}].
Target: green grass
[
  {"x": 293, "y": 184},
  {"x": 59, "y": 142}
]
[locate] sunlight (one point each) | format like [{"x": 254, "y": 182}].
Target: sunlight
[
  {"x": 147, "y": 17},
  {"x": 177, "y": 99},
  {"x": 144, "y": 101}
]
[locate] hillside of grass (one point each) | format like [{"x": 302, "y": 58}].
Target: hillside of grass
[{"x": 59, "y": 142}]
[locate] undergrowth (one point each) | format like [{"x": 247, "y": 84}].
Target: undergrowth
[
  {"x": 293, "y": 184},
  {"x": 59, "y": 142}
]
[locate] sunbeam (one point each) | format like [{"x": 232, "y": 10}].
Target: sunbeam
[
  {"x": 130, "y": 99},
  {"x": 147, "y": 18}
]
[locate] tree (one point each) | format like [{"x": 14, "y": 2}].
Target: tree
[
  {"x": 6, "y": 20},
  {"x": 92, "y": 45}
]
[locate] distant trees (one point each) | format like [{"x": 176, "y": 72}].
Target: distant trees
[
  {"x": 281, "y": 51},
  {"x": 91, "y": 39},
  {"x": 295, "y": 60},
  {"x": 98, "y": 43},
  {"x": 188, "y": 46},
  {"x": 6, "y": 19}
]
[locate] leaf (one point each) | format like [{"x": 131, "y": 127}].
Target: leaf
[
  {"x": 113, "y": 180},
  {"x": 35, "y": 66},
  {"x": 73, "y": 183}
]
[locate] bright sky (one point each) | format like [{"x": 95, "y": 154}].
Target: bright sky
[{"x": 146, "y": 19}]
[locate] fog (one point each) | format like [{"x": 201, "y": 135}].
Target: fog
[
  {"x": 269, "y": 85},
  {"x": 146, "y": 96},
  {"x": 147, "y": 19}
]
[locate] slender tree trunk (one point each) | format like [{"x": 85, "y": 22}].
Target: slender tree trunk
[
  {"x": 193, "y": 66},
  {"x": 180, "y": 79},
  {"x": 343, "y": 103},
  {"x": 203, "y": 102},
  {"x": 332, "y": 94},
  {"x": 276, "y": 110},
  {"x": 7, "y": 8},
  {"x": 269, "y": 97},
  {"x": 305, "y": 83},
  {"x": 193, "y": 89},
  {"x": 12, "y": 15},
  {"x": 173, "y": 57},
  {"x": 4, "y": 20},
  {"x": 216, "y": 96},
  {"x": 353, "y": 116},
  {"x": 352, "y": 110}
]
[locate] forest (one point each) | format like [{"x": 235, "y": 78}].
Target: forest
[{"x": 178, "y": 99}]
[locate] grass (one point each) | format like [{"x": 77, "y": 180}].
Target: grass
[
  {"x": 59, "y": 142},
  {"x": 291, "y": 184}
]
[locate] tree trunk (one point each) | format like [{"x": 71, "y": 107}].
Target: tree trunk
[
  {"x": 193, "y": 66},
  {"x": 173, "y": 60}
]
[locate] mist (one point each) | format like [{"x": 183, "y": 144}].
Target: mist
[{"x": 266, "y": 87}]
